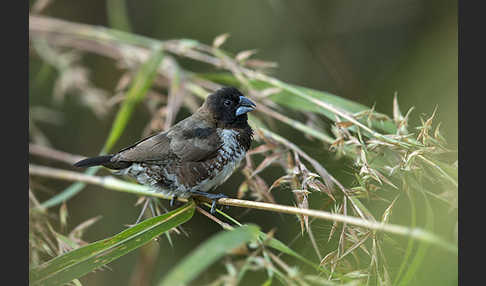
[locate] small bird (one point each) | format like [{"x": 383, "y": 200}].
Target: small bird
[{"x": 194, "y": 156}]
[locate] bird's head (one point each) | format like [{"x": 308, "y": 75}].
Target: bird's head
[{"x": 228, "y": 107}]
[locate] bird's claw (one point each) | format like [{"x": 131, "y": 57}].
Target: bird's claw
[
  {"x": 213, "y": 197},
  {"x": 213, "y": 205}
]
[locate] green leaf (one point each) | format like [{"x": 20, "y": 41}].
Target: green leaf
[
  {"x": 117, "y": 15},
  {"x": 141, "y": 84},
  {"x": 207, "y": 253},
  {"x": 411, "y": 242},
  {"x": 422, "y": 247},
  {"x": 280, "y": 246},
  {"x": 290, "y": 100},
  {"x": 69, "y": 192},
  {"x": 273, "y": 242},
  {"x": 268, "y": 282},
  {"x": 78, "y": 262}
]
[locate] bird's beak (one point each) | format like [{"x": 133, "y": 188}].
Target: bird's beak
[{"x": 245, "y": 106}]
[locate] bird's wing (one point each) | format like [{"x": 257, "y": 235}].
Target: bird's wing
[
  {"x": 195, "y": 144},
  {"x": 153, "y": 148},
  {"x": 187, "y": 144}
]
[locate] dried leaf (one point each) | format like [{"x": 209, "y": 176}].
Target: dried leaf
[
  {"x": 328, "y": 258},
  {"x": 123, "y": 82},
  {"x": 424, "y": 131},
  {"x": 338, "y": 142},
  {"x": 259, "y": 64},
  {"x": 356, "y": 245},
  {"x": 241, "y": 250},
  {"x": 333, "y": 230},
  {"x": 140, "y": 200},
  {"x": 265, "y": 163},
  {"x": 63, "y": 215},
  {"x": 260, "y": 149},
  {"x": 437, "y": 134},
  {"x": 387, "y": 213},
  {"x": 260, "y": 189},
  {"x": 319, "y": 186},
  {"x": 402, "y": 126},
  {"x": 242, "y": 189},
  {"x": 303, "y": 203},
  {"x": 243, "y": 55},
  {"x": 344, "y": 124},
  {"x": 279, "y": 181},
  {"x": 384, "y": 179},
  {"x": 219, "y": 40},
  {"x": 78, "y": 231},
  {"x": 397, "y": 115}
]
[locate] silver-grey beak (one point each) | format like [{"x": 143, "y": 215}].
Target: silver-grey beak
[{"x": 245, "y": 106}]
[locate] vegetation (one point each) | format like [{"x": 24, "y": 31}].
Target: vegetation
[{"x": 349, "y": 223}]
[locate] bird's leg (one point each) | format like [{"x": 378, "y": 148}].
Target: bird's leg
[
  {"x": 212, "y": 197},
  {"x": 174, "y": 198}
]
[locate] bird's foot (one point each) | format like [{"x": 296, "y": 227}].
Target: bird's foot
[{"x": 213, "y": 197}]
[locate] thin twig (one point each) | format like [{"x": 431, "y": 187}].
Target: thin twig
[
  {"x": 112, "y": 183},
  {"x": 223, "y": 224},
  {"x": 50, "y": 153}
]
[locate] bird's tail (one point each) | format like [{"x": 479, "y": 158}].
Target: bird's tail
[{"x": 94, "y": 161}]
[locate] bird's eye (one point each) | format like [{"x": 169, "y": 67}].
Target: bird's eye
[{"x": 227, "y": 102}]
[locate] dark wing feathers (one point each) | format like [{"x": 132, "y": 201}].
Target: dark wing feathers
[
  {"x": 173, "y": 143},
  {"x": 195, "y": 149},
  {"x": 153, "y": 148},
  {"x": 93, "y": 161}
]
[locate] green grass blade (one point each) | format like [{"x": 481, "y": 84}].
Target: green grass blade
[
  {"x": 280, "y": 246},
  {"x": 273, "y": 242},
  {"x": 78, "y": 262},
  {"x": 422, "y": 247},
  {"x": 207, "y": 253},
  {"x": 138, "y": 89},
  {"x": 142, "y": 82},
  {"x": 276, "y": 244},
  {"x": 69, "y": 192},
  {"x": 117, "y": 15},
  {"x": 410, "y": 244}
]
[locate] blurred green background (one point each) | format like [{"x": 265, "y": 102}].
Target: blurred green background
[{"x": 361, "y": 50}]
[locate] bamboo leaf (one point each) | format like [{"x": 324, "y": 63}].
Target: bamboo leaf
[
  {"x": 411, "y": 242},
  {"x": 117, "y": 15},
  {"x": 422, "y": 247},
  {"x": 219, "y": 40},
  {"x": 291, "y": 101},
  {"x": 81, "y": 261},
  {"x": 142, "y": 82},
  {"x": 282, "y": 247},
  {"x": 274, "y": 243},
  {"x": 207, "y": 253},
  {"x": 69, "y": 192}
]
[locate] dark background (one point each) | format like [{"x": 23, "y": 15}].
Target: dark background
[{"x": 361, "y": 50}]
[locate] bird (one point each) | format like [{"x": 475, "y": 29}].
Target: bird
[{"x": 194, "y": 156}]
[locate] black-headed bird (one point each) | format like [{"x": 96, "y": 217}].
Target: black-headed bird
[{"x": 194, "y": 156}]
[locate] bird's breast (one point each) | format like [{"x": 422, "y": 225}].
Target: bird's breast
[
  {"x": 228, "y": 158},
  {"x": 180, "y": 178}
]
